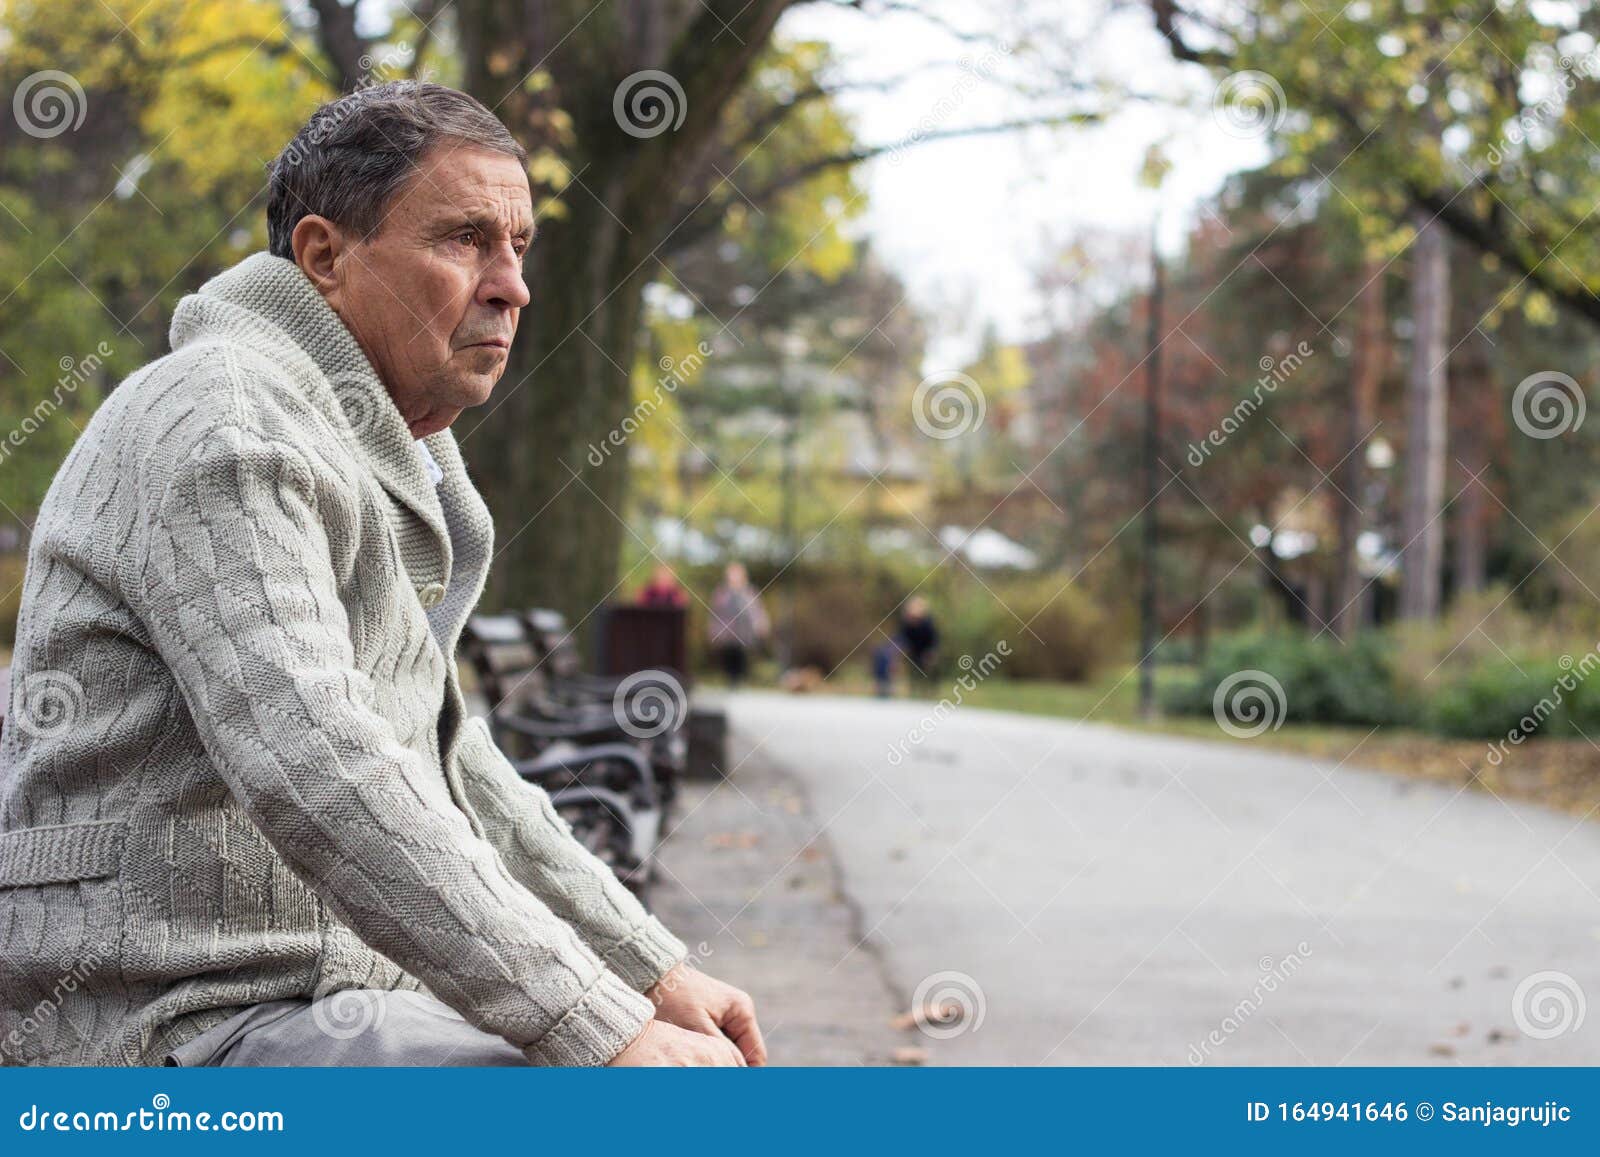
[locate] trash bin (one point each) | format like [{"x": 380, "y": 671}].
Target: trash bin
[{"x": 644, "y": 639}]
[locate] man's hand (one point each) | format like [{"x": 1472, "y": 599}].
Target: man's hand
[
  {"x": 665, "y": 1044},
  {"x": 690, "y": 999}
]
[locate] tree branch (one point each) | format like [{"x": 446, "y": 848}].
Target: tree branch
[
  {"x": 1488, "y": 234},
  {"x": 1166, "y": 13},
  {"x": 702, "y": 222},
  {"x": 425, "y": 12},
  {"x": 344, "y": 46},
  {"x": 870, "y": 8},
  {"x": 710, "y": 60}
]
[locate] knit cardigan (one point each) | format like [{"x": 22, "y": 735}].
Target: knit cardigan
[{"x": 238, "y": 766}]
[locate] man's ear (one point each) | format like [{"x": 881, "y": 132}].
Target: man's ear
[{"x": 317, "y": 244}]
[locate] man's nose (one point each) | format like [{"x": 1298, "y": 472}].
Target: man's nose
[{"x": 502, "y": 285}]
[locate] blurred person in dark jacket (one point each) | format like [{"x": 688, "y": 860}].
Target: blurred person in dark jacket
[{"x": 918, "y": 638}]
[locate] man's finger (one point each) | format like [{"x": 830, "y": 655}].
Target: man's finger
[{"x": 739, "y": 1022}]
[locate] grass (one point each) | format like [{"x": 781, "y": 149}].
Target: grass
[{"x": 1559, "y": 773}]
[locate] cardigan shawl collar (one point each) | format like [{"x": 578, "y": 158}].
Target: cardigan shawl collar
[{"x": 445, "y": 533}]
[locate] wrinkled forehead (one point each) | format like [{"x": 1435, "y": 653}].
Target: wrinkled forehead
[{"x": 463, "y": 185}]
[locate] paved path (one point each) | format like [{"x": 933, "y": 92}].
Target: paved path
[{"x": 1106, "y": 897}]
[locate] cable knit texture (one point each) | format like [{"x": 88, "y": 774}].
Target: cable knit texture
[{"x": 238, "y": 766}]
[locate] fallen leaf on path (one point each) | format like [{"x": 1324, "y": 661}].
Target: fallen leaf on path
[
  {"x": 733, "y": 839},
  {"x": 909, "y": 1055}
]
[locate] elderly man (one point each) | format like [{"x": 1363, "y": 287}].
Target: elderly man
[{"x": 246, "y": 818}]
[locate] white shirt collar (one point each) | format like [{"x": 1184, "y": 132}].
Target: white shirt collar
[{"x": 435, "y": 473}]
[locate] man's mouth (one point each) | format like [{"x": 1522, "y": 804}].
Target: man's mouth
[{"x": 499, "y": 343}]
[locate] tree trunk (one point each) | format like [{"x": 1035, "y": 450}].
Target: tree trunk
[
  {"x": 1473, "y": 421},
  {"x": 1367, "y": 368},
  {"x": 554, "y": 481},
  {"x": 540, "y": 449},
  {"x": 1470, "y": 564},
  {"x": 1422, "y": 557}
]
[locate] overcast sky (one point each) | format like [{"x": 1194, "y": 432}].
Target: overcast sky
[{"x": 965, "y": 222}]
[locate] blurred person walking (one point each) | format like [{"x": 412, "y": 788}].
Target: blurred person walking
[
  {"x": 738, "y": 622},
  {"x": 918, "y": 640}
]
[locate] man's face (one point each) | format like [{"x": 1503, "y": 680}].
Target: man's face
[{"x": 433, "y": 296}]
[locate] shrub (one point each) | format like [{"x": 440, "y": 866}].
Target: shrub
[
  {"x": 1323, "y": 680},
  {"x": 1491, "y": 698},
  {"x": 1062, "y": 634},
  {"x": 12, "y": 567}
]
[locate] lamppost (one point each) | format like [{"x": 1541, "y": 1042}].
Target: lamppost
[
  {"x": 1152, "y": 448},
  {"x": 1153, "y": 172},
  {"x": 793, "y": 350}
]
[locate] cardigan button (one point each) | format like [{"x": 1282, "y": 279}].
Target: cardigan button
[{"x": 431, "y": 595}]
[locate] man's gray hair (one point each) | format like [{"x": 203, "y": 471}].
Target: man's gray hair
[{"x": 355, "y": 154}]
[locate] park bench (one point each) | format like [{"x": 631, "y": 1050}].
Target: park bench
[
  {"x": 601, "y": 774},
  {"x": 654, "y": 703},
  {"x": 695, "y": 750}
]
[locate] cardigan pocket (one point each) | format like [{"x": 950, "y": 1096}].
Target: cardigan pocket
[
  {"x": 61, "y": 853},
  {"x": 61, "y": 945},
  {"x": 65, "y": 879}
]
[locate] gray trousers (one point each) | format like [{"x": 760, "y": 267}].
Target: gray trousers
[{"x": 359, "y": 1026}]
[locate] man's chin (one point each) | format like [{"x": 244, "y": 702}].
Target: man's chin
[
  {"x": 477, "y": 378},
  {"x": 475, "y": 390}
]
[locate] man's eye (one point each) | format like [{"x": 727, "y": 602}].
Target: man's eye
[{"x": 467, "y": 237}]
